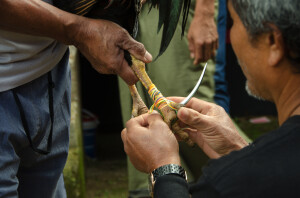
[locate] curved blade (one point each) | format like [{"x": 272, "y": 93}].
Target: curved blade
[{"x": 187, "y": 99}]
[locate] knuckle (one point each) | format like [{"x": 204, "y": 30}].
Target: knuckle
[
  {"x": 221, "y": 109},
  {"x": 139, "y": 48},
  {"x": 123, "y": 33},
  {"x": 128, "y": 124},
  {"x": 208, "y": 41},
  {"x": 123, "y": 37},
  {"x": 216, "y": 108},
  {"x": 199, "y": 42},
  {"x": 110, "y": 68},
  {"x": 195, "y": 119},
  {"x": 123, "y": 134}
]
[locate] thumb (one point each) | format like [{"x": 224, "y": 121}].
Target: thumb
[
  {"x": 191, "y": 117},
  {"x": 155, "y": 119},
  {"x": 135, "y": 48}
]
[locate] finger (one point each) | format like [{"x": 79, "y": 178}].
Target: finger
[
  {"x": 123, "y": 136},
  {"x": 158, "y": 126},
  {"x": 200, "y": 105},
  {"x": 209, "y": 52},
  {"x": 154, "y": 119},
  {"x": 199, "y": 50},
  {"x": 138, "y": 122},
  {"x": 191, "y": 48},
  {"x": 196, "y": 137},
  {"x": 136, "y": 49},
  {"x": 214, "y": 53},
  {"x": 175, "y": 99},
  {"x": 216, "y": 45},
  {"x": 191, "y": 117},
  {"x": 216, "y": 41},
  {"x": 127, "y": 74},
  {"x": 190, "y": 130},
  {"x": 196, "y": 104},
  {"x": 182, "y": 124},
  {"x": 124, "y": 139}
]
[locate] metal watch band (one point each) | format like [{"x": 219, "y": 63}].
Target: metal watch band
[
  {"x": 165, "y": 170},
  {"x": 169, "y": 169}
]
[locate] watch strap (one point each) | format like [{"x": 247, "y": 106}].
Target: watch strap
[
  {"x": 165, "y": 170},
  {"x": 169, "y": 169}
]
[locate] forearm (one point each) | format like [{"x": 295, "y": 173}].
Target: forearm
[
  {"x": 38, "y": 18},
  {"x": 205, "y": 8}
]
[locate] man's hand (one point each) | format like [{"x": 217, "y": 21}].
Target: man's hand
[
  {"x": 202, "y": 34},
  {"x": 210, "y": 127},
  {"x": 103, "y": 43},
  {"x": 149, "y": 143}
]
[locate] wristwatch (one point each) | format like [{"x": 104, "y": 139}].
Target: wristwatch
[{"x": 165, "y": 170}]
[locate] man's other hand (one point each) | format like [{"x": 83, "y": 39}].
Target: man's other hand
[
  {"x": 209, "y": 126},
  {"x": 149, "y": 143},
  {"x": 103, "y": 43},
  {"x": 202, "y": 34}
]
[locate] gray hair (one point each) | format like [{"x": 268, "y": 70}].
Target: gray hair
[{"x": 284, "y": 14}]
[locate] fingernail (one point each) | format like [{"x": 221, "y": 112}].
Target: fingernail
[
  {"x": 192, "y": 55},
  {"x": 155, "y": 112},
  {"x": 148, "y": 56}
]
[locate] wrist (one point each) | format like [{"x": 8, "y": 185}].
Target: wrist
[
  {"x": 72, "y": 30},
  {"x": 239, "y": 144},
  {"x": 205, "y": 9},
  {"x": 207, "y": 16}
]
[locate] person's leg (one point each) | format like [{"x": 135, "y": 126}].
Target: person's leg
[
  {"x": 41, "y": 175},
  {"x": 10, "y": 141},
  {"x": 221, "y": 93},
  {"x": 32, "y": 174}
]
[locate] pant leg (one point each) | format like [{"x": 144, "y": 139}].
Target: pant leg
[
  {"x": 9, "y": 160},
  {"x": 221, "y": 93},
  {"x": 32, "y": 174}
]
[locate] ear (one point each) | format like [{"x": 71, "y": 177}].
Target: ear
[{"x": 276, "y": 44}]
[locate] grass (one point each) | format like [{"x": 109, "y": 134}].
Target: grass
[{"x": 106, "y": 179}]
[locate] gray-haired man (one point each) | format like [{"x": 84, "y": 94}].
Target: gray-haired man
[{"x": 265, "y": 38}]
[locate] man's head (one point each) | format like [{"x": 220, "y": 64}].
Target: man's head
[{"x": 266, "y": 39}]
